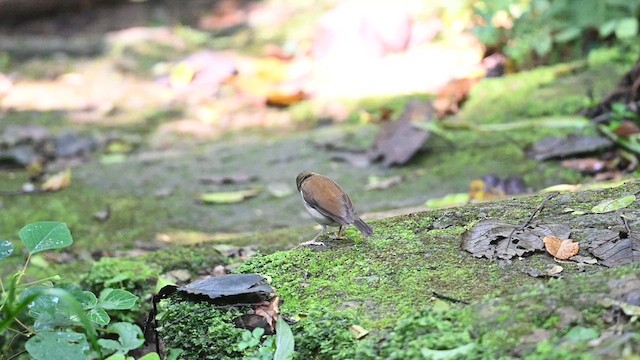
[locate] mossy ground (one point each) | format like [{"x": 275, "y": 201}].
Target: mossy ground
[
  {"x": 393, "y": 275},
  {"x": 370, "y": 282}
]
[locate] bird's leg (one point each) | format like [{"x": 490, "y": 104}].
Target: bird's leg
[
  {"x": 338, "y": 235},
  {"x": 313, "y": 241}
]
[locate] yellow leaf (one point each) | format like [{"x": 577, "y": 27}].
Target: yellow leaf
[
  {"x": 57, "y": 181},
  {"x": 181, "y": 74}
]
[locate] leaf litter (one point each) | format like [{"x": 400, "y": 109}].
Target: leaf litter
[{"x": 493, "y": 239}]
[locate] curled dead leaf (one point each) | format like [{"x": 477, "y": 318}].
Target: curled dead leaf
[
  {"x": 561, "y": 249},
  {"x": 270, "y": 311}
]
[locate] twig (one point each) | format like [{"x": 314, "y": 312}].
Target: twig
[
  {"x": 528, "y": 222},
  {"x": 448, "y": 298}
]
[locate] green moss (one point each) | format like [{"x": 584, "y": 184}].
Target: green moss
[
  {"x": 132, "y": 275},
  {"x": 193, "y": 258},
  {"x": 202, "y": 331},
  {"x": 385, "y": 284},
  {"x": 400, "y": 259},
  {"x": 325, "y": 335},
  {"x": 556, "y": 90},
  {"x": 135, "y": 276}
]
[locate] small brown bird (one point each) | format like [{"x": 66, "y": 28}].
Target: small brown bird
[{"x": 328, "y": 205}]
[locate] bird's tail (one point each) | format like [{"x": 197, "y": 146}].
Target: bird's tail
[{"x": 363, "y": 227}]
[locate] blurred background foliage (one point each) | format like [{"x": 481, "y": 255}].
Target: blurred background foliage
[{"x": 534, "y": 32}]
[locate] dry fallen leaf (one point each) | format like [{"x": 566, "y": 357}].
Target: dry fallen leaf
[
  {"x": 377, "y": 183},
  {"x": 229, "y": 197},
  {"x": 561, "y": 249},
  {"x": 358, "y": 331},
  {"x": 270, "y": 312},
  {"x": 57, "y": 181},
  {"x": 452, "y": 96},
  {"x": 283, "y": 98},
  {"x": 398, "y": 141}
]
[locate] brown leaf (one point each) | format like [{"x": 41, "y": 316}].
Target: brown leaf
[
  {"x": 612, "y": 250},
  {"x": 57, "y": 181},
  {"x": 627, "y": 128},
  {"x": 282, "y": 98},
  {"x": 358, "y": 331},
  {"x": 398, "y": 141},
  {"x": 270, "y": 311},
  {"x": 561, "y": 249},
  {"x": 586, "y": 165},
  {"x": 452, "y": 96}
]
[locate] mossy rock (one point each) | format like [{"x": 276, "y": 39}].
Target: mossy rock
[{"x": 389, "y": 284}]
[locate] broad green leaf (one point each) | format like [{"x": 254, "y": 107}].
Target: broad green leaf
[
  {"x": 6, "y": 248},
  {"x": 118, "y": 278},
  {"x": 116, "y": 299},
  {"x": 76, "y": 308},
  {"x": 99, "y": 316},
  {"x": 626, "y": 28},
  {"x": 90, "y": 300},
  {"x": 173, "y": 354},
  {"x": 118, "y": 357},
  {"x": 151, "y": 356},
  {"x": 45, "y": 235},
  {"x": 129, "y": 337},
  {"x": 111, "y": 345},
  {"x": 43, "y": 304},
  {"x": 581, "y": 333},
  {"x": 610, "y": 205},
  {"x": 607, "y": 28},
  {"x": 543, "y": 43},
  {"x": 229, "y": 197},
  {"x": 257, "y": 332},
  {"x": 568, "y": 34},
  {"x": 284, "y": 340},
  {"x": 456, "y": 353},
  {"x": 58, "y": 345}
]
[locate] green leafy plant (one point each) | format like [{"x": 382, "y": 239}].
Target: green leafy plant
[
  {"x": 278, "y": 347},
  {"x": 250, "y": 338},
  {"x": 546, "y": 28},
  {"x": 61, "y": 321},
  {"x": 620, "y": 113}
]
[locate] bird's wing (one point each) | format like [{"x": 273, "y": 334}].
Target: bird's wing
[{"x": 334, "y": 203}]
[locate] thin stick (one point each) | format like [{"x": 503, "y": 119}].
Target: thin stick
[
  {"x": 448, "y": 298},
  {"x": 535, "y": 212}
]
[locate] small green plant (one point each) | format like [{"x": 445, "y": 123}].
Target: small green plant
[
  {"x": 620, "y": 113},
  {"x": 61, "y": 321},
  {"x": 278, "y": 347}
]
